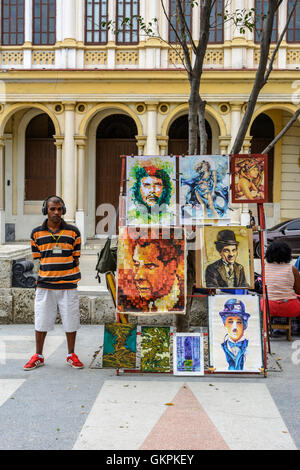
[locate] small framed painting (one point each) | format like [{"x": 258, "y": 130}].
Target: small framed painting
[
  {"x": 249, "y": 178},
  {"x": 188, "y": 354}
]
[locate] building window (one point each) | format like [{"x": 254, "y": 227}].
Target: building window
[
  {"x": 127, "y": 21},
  {"x": 293, "y": 32},
  {"x": 96, "y": 21},
  {"x": 175, "y": 26},
  {"x": 12, "y": 26},
  {"x": 44, "y": 22},
  {"x": 261, "y": 9},
  {"x": 216, "y": 31}
]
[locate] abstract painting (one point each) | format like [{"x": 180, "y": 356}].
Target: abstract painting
[
  {"x": 119, "y": 347},
  {"x": 188, "y": 356},
  {"x": 235, "y": 333},
  {"x": 155, "y": 349},
  {"x": 151, "y": 271},
  {"x": 249, "y": 178},
  {"x": 151, "y": 191},
  {"x": 204, "y": 188},
  {"x": 226, "y": 257}
]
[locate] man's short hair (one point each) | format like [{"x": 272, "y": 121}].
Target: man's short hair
[{"x": 140, "y": 173}]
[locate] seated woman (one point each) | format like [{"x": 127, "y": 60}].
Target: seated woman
[{"x": 282, "y": 281}]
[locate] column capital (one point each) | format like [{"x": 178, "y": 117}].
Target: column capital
[
  {"x": 236, "y": 105},
  {"x": 80, "y": 141},
  {"x": 151, "y": 105},
  {"x": 59, "y": 140},
  {"x": 69, "y": 105}
]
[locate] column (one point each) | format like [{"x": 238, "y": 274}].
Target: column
[
  {"x": 28, "y": 34},
  {"x": 69, "y": 163},
  {"x": 80, "y": 213},
  {"x": 151, "y": 147},
  {"x": 224, "y": 142},
  {"x": 59, "y": 144},
  {"x": 2, "y": 186},
  {"x": 236, "y": 111},
  {"x": 69, "y": 31},
  {"x": 163, "y": 144}
]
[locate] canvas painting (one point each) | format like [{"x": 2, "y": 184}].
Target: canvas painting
[
  {"x": 151, "y": 271},
  {"x": 119, "y": 346},
  {"x": 249, "y": 178},
  {"x": 188, "y": 356},
  {"x": 204, "y": 188},
  {"x": 155, "y": 349},
  {"x": 235, "y": 333},
  {"x": 151, "y": 190},
  {"x": 226, "y": 258}
]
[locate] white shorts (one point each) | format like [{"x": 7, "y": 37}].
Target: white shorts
[{"x": 47, "y": 304}]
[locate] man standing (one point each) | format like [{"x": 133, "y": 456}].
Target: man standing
[
  {"x": 57, "y": 245},
  {"x": 235, "y": 320},
  {"x": 226, "y": 272}
]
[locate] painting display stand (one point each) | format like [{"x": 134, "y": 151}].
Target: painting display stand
[{"x": 123, "y": 318}]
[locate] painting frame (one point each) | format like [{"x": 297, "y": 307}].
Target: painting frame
[
  {"x": 151, "y": 190},
  {"x": 244, "y": 164},
  {"x": 176, "y": 355},
  {"x": 139, "y": 289},
  {"x": 248, "y": 356},
  {"x": 110, "y": 357},
  {"x": 211, "y": 260},
  {"x": 204, "y": 185}
]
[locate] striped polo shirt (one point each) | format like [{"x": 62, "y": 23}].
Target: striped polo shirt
[
  {"x": 280, "y": 281},
  {"x": 58, "y": 253}
]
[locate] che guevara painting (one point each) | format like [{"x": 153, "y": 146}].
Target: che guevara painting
[
  {"x": 151, "y": 190},
  {"x": 249, "y": 178},
  {"x": 204, "y": 188}
]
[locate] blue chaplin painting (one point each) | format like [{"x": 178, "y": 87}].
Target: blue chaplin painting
[
  {"x": 188, "y": 354},
  {"x": 204, "y": 187}
]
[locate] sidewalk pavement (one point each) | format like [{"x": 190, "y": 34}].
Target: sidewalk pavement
[{"x": 56, "y": 407}]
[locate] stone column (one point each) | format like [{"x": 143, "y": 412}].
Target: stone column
[
  {"x": 141, "y": 142},
  {"x": 236, "y": 116},
  {"x": 163, "y": 144},
  {"x": 224, "y": 142},
  {"x": 69, "y": 31},
  {"x": 28, "y": 34},
  {"x": 151, "y": 147},
  {"x": 69, "y": 163},
  {"x": 59, "y": 144},
  {"x": 80, "y": 212},
  {"x": 2, "y": 186}
]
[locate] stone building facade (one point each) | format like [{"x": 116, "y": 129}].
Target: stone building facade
[{"x": 75, "y": 96}]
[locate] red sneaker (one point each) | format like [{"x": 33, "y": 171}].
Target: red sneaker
[
  {"x": 73, "y": 361},
  {"x": 34, "y": 362}
]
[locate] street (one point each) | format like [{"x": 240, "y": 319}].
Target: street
[{"x": 56, "y": 407}]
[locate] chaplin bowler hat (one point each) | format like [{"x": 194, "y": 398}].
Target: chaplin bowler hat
[
  {"x": 226, "y": 237},
  {"x": 235, "y": 307}
]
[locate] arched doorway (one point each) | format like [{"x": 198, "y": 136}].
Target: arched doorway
[
  {"x": 179, "y": 134},
  {"x": 40, "y": 159},
  {"x": 263, "y": 132},
  {"x": 115, "y": 136}
]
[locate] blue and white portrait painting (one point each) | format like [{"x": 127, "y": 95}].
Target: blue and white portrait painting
[{"x": 204, "y": 188}]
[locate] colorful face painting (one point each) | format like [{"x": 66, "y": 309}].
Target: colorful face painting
[
  {"x": 151, "y": 191},
  {"x": 204, "y": 188},
  {"x": 188, "y": 356},
  {"x": 249, "y": 178},
  {"x": 155, "y": 349},
  {"x": 119, "y": 347},
  {"x": 151, "y": 271},
  {"x": 235, "y": 333},
  {"x": 226, "y": 258}
]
